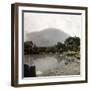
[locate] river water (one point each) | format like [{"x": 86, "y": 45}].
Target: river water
[{"x": 51, "y": 65}]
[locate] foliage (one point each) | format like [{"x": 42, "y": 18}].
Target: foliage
[
  {"x": 72, "y": 53},
  {"x": 70, "y": 44}
]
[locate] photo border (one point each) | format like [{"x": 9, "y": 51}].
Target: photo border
[{"x": 14, "y": 43}]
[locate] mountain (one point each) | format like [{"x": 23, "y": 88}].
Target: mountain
[{"x": 47, "y": 37}]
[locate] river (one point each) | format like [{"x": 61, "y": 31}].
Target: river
[{"x": 52, "y": 65}]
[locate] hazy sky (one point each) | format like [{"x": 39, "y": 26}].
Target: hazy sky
[{"x": 70, "y": 24}]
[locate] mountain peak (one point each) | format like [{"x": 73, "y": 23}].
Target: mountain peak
[{"x": 51, "y": 30}]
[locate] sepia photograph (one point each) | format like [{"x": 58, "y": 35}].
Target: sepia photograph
[{"x": 51, "y": 43}]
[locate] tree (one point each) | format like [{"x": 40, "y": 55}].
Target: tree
[
  {"x": 72, "y": 43},
  {"x": 28, "y": 47},
  {"x": 60, "y": 47}
]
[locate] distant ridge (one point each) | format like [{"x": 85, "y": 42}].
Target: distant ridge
[{"x": 47, "y": 37}]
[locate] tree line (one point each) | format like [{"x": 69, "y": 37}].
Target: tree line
[{"x": 71, "y": 43}]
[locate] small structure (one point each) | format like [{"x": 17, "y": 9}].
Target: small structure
[
  {"x": 32, "y": 71},
  {"x": 29, "y": 71}
]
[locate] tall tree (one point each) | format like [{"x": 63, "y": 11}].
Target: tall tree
[{"x": 72, "y": 43}]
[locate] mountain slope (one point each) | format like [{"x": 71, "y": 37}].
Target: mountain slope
[{"x": 47, "y": 37}]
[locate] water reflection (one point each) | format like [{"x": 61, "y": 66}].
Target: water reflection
[{"x": 48, "y": 65}]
